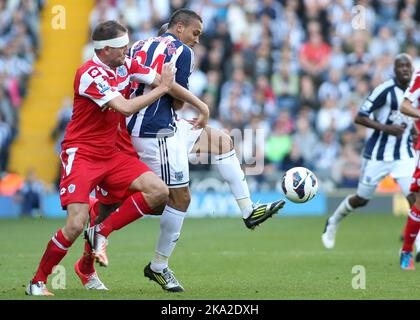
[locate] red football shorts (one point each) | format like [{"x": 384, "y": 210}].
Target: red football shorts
[
  {"x": 415, "y": 184},
  {"x": 81, "y": 173}
]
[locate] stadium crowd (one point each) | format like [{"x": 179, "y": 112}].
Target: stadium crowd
[
  {"x": 297, "y": 69},
  {"x": 19, "y": 45}
]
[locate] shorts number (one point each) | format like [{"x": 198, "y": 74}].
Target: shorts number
[{"x": 71, "y": 153}]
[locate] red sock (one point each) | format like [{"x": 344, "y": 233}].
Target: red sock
[
  {"x": 55, "y": 252},
  {"x": 411, "y": 229},
  {"x": 132, "y": 209},
  {"x": 86, "y": 263},
  {"x": 93, "y": 210}
]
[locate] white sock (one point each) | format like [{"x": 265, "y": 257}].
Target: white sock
[
  {"x": 342, "y": 211},
  {"x": 170, "y": 229},
  {"x": 230, "y": 169}
]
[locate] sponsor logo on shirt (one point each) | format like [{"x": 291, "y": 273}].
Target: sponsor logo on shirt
[{"x": 102, "y": 86}]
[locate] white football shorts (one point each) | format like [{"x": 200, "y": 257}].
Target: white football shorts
[
  {"x": 168, "y": 156},
  {"x": 374, "y": 171}
]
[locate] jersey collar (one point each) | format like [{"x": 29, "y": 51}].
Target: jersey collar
[
  {"x": 98, "y": 61},
  {"x": 170, "y": 34},
  {"x": 397, "y": 85}
]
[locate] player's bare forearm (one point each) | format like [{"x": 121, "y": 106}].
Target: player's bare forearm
[
  {"x": 367, "y": 122},
  {"x": 180, "y": 93},
  {"x": 392, "y": 129},
  {"x": 130, "y": 106},
  {"x": 408, "y": 109}
]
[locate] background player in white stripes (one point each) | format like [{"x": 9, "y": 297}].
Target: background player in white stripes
[{"x": 388, "y": 149}]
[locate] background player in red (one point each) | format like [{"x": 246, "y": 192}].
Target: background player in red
[
  {"x": 409, "y": 107},
  {"x": 90, "y": 155}
]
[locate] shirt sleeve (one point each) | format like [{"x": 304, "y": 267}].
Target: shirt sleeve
[
  {"x": 140, "y": 73},
  {"x": 413, "y": 91},
  {"x": 375, "y": 100},
  {"x": 94, "y": 84},
  {"x": 184, "y": 66}
]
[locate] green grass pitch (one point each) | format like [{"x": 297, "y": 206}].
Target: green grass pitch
[{"x": 220, "y": 259}]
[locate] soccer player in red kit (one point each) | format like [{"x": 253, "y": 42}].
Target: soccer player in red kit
[
  {"x": 410, "y": 108},
  {"x": 90, "y": 156}
]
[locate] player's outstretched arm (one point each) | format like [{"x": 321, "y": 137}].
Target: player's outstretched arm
[
  {"x": 392, "y": 129},
  {"x": 408, "y": 109},
  {"x": 180, "y": 93},
  {"x": 129, "y": 106},
  {"x": 183, "y": 95}
]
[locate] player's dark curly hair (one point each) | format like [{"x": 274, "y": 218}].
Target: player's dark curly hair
[
  {"x": 183, "y": 15},
  {"x": 108, "y": 30}
]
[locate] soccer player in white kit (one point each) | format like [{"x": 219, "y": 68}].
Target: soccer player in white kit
[{"x": 389, "y": 148}]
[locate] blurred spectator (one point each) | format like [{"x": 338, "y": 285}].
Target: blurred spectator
[
  {"x": 346, "y": 170},
  {"x": 103, "y": 11},
  {"x": 308, "y": 95},
  {"x": 286, "y": 87},
  {"x": 5, "y": 139},
  {"x": 293, "y": 159},
  {"x": 385, "y": 43},
  {"x": 57, "y": 134},
  {"x": 305, "y": 138},
  {"x": 264, "y": 97},
  {"x": 30, "y": 195},
  {"x": 326, "y": 153},
  {"x": 279, "y": 143},
  {"x": 236, "y": 98},
  {"x": 314, "y": 54},
  {"x": 332, "y": 117},
  {"x": 359, "y": 61},
  {"x": 334, "y": 87}
]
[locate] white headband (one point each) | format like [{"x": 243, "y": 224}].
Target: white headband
[{"x": 113, "y": 43}]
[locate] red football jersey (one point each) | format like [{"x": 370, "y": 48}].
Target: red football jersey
[
  {"x": 413, "y": 94},
  {"x": 92, "y": 129}
]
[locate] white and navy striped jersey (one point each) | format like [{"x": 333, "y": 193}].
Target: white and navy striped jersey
[
  {"x": 383, "y": 105},
  {"x": 160, "y": 117}
]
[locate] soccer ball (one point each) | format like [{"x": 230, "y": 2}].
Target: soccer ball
[{"x": 299, "y": 184}]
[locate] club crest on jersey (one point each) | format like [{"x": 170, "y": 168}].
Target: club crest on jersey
[
  {"x": 72, "y": 188},
  {"x": 179, "y": 175},
  {"x": 122, "y": 71},
  {"x": 104, "y": 192}
]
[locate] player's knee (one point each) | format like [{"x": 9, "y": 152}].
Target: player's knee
[
  {"x": 74, "y": 226},
  {"x": 159, "y": 193},
  {"x": 227, "y": 144},
  {"x": 187, "y": 198},
  {"x": 223, "y": 141},
  {"x": 180, "y": 199}
]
